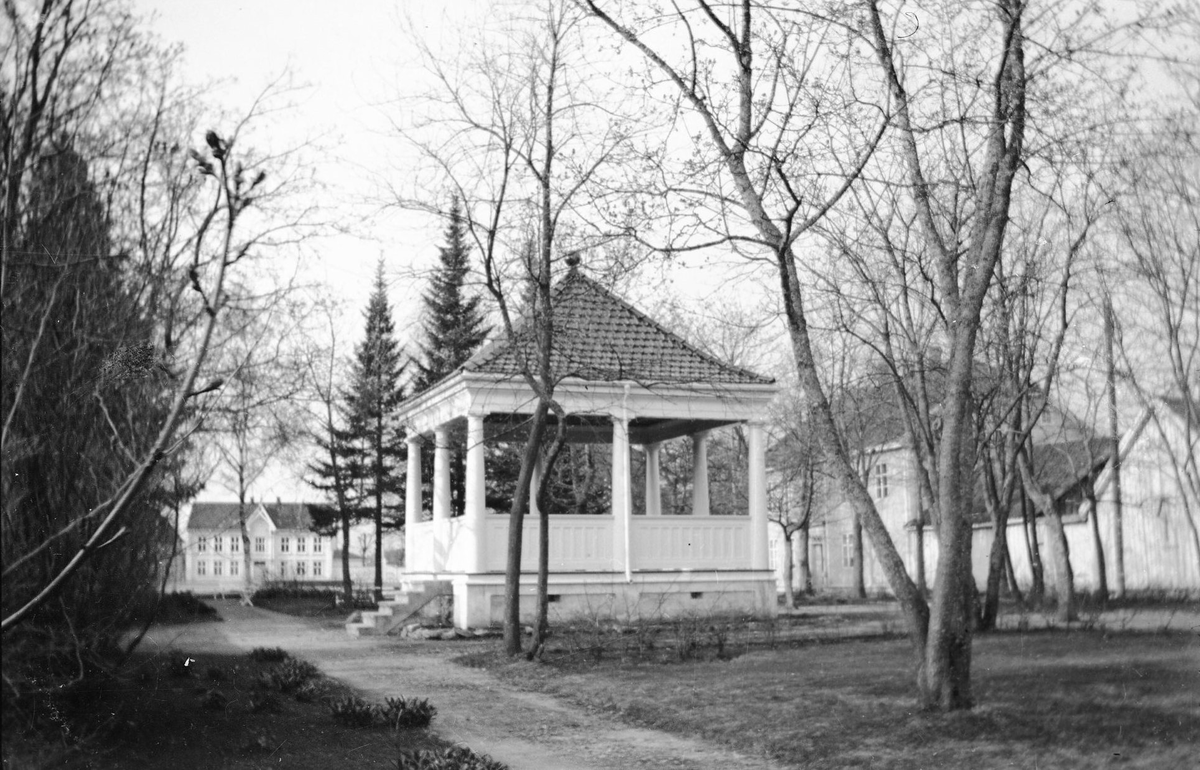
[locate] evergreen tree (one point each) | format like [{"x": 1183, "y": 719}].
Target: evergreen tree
[
  {"x": 454, "y": 328},
  {"x": 338, "y": 472},
  {"x": 375, "y": 435},
  {"x": 84, "y": 392}
]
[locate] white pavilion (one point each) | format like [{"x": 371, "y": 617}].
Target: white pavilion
[{"x": 623, "y": 380}]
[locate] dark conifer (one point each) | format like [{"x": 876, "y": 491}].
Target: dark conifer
[
  {"x": 454, "y": 329},
  {"x": 454, "y": 326},
  {"x": 375, "y": 394}
]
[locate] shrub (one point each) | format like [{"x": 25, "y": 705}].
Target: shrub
[
  {"x": 293, "y": 674},
  {"x": 353, "y": 712},
  {"x": 269, "y": 654},
  {"x": 454, "y": 758},
  {"x": 402, "y": 713},
  {"x": 182, "y": 607}
]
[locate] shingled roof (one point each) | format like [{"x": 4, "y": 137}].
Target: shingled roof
[
  {"x": 225, "y": 515},
  {"x": 600, "y": 337}
]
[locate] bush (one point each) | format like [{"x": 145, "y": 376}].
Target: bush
[
  {"x": 353, "y": 712},
  {"x": 181, "y": 607},
  {"x": 454, "y": 758},
  {"x": 364, "y": 598},
  {"x": 293, "y": 674},
  {"x": 402, "y": 713},
  {"x": 269, "y": 654}
]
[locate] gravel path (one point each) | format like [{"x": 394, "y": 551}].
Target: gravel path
[{"x": 523, "y": 730}]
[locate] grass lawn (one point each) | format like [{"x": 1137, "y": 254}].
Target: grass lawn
[
  {"x": 1078, "y": 699},
  {"x": 214, "y": 712}
]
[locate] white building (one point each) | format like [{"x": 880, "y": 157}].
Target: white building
[
  {"x": 1160, "y": 515},
  {"x": 283, "y": 547},
  {"x": 622, "y": 380}
]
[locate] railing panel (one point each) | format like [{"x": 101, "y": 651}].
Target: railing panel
[
  {"x": 690, "y": 542},
  {"x": 577, "y": 543},
  {"x": 584, "y": 543}
]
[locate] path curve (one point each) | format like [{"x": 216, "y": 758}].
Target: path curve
[{"x": 526, "y": 731}]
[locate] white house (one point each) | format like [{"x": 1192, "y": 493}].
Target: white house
[
  {"x": 283, "y": 547},
  {"x": 625, "y": 381},
  {"x": 1159, "y": 514}
]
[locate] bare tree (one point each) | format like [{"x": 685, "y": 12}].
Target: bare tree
[
  {"x": 1159, "y": 235},
  {"x": 257, "y": 419},
  {"x": 746, "y": 75},
  {"x": 529, "y": 139}
]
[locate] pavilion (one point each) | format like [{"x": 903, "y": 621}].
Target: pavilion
[{"x": 623, "y": 380}]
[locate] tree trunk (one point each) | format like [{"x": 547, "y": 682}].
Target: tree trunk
[
  {"x": 922, "y": 586},
  {"x": 516, "y": 520},
  {"x": 347, "y": 583},
  {"x": 1115, "y": 437},
  {"x": 860, "y": 587},
  {"x": 1037, "y": 588},
  {"x": 806, "y": 583},
  {"x": 1011, "y": 575},
  {"x": 997, "y": 559},
  {"x": 378, "y": 540},
  {"x": 1101, "y": 567},
  {"x": 789, "y": 593},
  {"x": 1064, "y": 581}
]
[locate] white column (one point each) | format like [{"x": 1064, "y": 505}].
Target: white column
[
  {"x": 475, "y": 494},
  {"x": 653, "y": 481},
  {"x": 441, "y": 473},
  {"x": 412, "y": 501},
  {"x": 700, "y": 474},
  {"x": 757, "y": 444},
  {"x": 622, "y": 500}
]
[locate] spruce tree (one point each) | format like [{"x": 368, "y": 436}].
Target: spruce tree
[
  {"x": 454, "y": 328},
  {"x": 375, "y": 394},
  {"x": 338, "y": 472}
]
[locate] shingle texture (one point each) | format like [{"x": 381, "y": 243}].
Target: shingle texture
[
  {"x": 225, "y": 515},
  {"x": 599, "y": 337}
]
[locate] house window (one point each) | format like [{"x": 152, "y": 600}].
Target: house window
[
  {"x": 235, "y": 544},
  {"x": 316, "y": 545},
  {"x": 282, "y": 570},
  {"x": 847, "y": 550},
  {"x": 233, "y": 568},
  {"x": 317, "y": 569},
  {"x": 217, "y": 568},
  {"x": 260, "y": 544},
  {"x": 285, "y": 544},
  {"x": 301, "y": 544},
  {"x": 881, "y": 480},
  {"x": 201, "y": 568},
  {"x": 202, "y": 545},
  {"x": 218, "y": 543},
  {"x": 300, "y": 569}
]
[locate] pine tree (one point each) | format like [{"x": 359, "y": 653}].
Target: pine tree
[
  {"x": 375, "y": 393},
  {"x": 454, "y": 329}
]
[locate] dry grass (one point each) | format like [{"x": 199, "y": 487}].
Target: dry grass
[{"x": 1052, "y": 700}]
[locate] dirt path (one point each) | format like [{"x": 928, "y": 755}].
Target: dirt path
[{"x": 523, "y": 730}]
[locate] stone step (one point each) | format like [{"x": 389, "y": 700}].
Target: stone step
[{"x": 392, "y": 612}]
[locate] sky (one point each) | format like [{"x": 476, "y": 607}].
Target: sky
[
  {"x": 348, "y": 63},
  {"x": 342, "y": 60}
]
